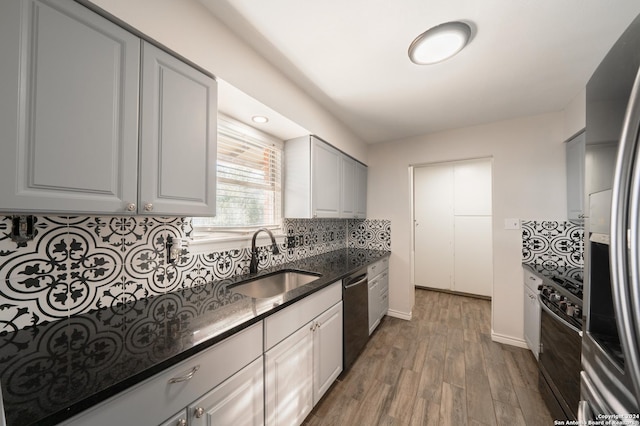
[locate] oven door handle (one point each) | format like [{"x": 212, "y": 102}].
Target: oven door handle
[{"x": 556, "y": 317}]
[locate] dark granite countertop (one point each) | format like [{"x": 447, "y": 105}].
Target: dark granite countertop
[{"x": 55, "y": 370}]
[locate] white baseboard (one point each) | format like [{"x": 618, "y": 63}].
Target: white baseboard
[
  {"x": 399, "y": 314},
  {"x": 508, "y": 340}
]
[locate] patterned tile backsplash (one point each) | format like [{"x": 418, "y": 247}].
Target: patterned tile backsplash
[
  {"x": 553, "y": 244},
  {"x": 76, "y": 264}
]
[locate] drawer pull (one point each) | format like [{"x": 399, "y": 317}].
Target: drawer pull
[{"x": 186, "y": 377}]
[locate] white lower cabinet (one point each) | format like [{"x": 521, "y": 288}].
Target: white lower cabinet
[
  {"x": 327, "y": 350},
  {"x": 239, "y": 401},
  {"x": 532, "y": 312},
  {"x": 289, "y": 379},
  {"x": 301, "y": 366},
  {"x": 174, "y": 389},
  {"x": 532, "y": 321},
  {"x": 378, "y": 292},
  {"x": 374, "y": 304}
]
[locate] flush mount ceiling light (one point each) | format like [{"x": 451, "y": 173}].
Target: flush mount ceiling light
[
  {"x": 439, "y": 43},
  {"x": 261, "y": 119}
]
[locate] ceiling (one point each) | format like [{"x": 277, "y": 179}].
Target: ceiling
[{"x": 526, "y": 57}]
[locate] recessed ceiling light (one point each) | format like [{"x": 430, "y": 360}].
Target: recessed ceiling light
[
  {"x": 260, "y": 119},
  {"x": 439, "y": 43}
]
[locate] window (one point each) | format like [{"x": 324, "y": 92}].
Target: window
[{"x": 249, "y": 187}]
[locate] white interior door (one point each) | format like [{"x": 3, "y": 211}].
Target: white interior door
[
  {"x": 453, "y": 227},
  {"x": 433, "y": 214},
  {"x": 473, "y": 264},
  {"x": 472, "y": 188}
]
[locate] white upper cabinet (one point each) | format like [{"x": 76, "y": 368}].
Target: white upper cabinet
[
  {"x": 178, "y": 138},
  {"x": 348, "y": 193},
  {"x": 320, "y": 181},
  {"x": 68, "y": 110},
  {"x": 326, "y": 179},
  {"x": 575, "y": 157},
  {"x": 69, "y": 113},
  {"x": 361, "y": 191}
]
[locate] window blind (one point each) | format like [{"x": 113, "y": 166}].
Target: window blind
[{"x": 249, "y": 187}]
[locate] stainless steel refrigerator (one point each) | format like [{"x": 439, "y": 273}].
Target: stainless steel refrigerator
[{"x": 610, "y": 377}]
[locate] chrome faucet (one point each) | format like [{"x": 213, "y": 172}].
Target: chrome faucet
[{"x": 253, "y": 266}]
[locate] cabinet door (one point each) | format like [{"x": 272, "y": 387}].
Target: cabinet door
[
  {"x": 179, "y": 419},
  {"x": 384, "y": 293},
  {"x": 68, "y": 110},
  {"x": 532, "y": 320},
  {"x": 361, "y": 191},
  {"x": 575, "y": 151},
  {"x": 178, "y": 137},
  {"x": 289, "y": 379},
  {"x": 327, "y": 350},
  {"x": 374, "y": 304},
  {"x": 238, "y": 401},
  {"x": 384, "y": 304},
  {"x": 348, "y": 193},
  {"x": 325, "y": 180}
]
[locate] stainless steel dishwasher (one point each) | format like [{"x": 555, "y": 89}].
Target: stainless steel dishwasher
[{"x": 355, "y": 302}]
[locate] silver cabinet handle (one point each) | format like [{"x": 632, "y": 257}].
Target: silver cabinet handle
[
  {"x": 199, "y": 412},
  {"x": 131, "y": 207},
  {"x": 148, "y": 207},
  {"x": 186, "y": 377},
  {"x": 181, "y": 422}
]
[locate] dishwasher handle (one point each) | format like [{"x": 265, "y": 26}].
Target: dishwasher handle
[{"x": 355, "y": 281}]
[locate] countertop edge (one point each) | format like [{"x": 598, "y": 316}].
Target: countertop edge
[{"x": 93, "y": 400}]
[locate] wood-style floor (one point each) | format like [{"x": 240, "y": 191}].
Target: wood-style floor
[{"x": 440, "y": 368}]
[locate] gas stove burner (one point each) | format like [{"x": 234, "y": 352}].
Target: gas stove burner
[{"x": 570, "y": 284}]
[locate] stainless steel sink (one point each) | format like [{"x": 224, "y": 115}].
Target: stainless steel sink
[{"x": 274, "y": 284}]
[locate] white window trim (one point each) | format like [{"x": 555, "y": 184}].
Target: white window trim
[
  {"x": 206, "y": 239},
  {"x": 220, "y": 241}
]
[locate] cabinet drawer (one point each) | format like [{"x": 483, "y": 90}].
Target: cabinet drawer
[
  {"x": 283, "y": 323},
  {"x": 531, "y": 280},
  {"x": 215, "y": 365},
  {"x": 376, "y": 268}
]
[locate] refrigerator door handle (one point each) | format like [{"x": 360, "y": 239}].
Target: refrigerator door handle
[
  {"x": 584, "y": 413},
  {"x": 624, "y": 238}
]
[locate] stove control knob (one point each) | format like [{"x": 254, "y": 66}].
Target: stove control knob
[
  {"x": 570, "y": 309},
  {"x": 554, "y": 297}
]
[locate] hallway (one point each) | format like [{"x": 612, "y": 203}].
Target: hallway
[{"x": 440, "y": 368}]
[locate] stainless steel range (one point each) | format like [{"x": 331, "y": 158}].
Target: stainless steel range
[{"x": 560, "y": 344}]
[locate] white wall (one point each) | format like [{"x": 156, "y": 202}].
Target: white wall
[
  {"x": 189, "y": 29},
  {"x": 528, "y": 183}
]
